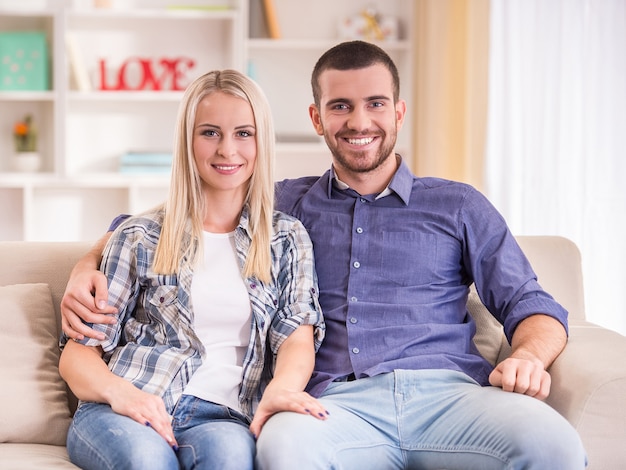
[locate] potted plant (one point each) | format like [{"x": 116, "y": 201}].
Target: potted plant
[{"x": 26, "y": 157}]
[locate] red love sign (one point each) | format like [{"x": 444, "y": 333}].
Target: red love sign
[{"x": 138, "y": 73}]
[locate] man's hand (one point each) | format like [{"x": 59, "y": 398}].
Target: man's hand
[
  {"x": 86, "y": 296},
  {"x": 536, "y": 343},
  {"x": 524, "y": 376},
  {"x": 276, "y": 399}
]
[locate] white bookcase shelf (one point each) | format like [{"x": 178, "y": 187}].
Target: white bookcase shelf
[{"x": 83, "y": 133}]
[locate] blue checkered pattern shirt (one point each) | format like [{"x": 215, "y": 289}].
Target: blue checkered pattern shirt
[{"x": 154, "y": 345}]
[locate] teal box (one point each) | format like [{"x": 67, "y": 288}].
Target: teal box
[{"x": 24, "y": 61}]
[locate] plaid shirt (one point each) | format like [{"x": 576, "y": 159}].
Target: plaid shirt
[{"x": 153, "y": 344}]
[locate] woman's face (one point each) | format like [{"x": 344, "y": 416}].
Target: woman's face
[{"x": 224, "y": 143}]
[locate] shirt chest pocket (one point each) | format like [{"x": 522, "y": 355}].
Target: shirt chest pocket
[
  {"x": 161, "y": 304},
  {"x": 409, "y": 258}
]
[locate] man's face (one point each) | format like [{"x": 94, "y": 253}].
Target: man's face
[{"x": 358, "y": 117}]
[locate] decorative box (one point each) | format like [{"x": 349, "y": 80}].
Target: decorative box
[
  {"x": 23, "y": 61},
  {"x": 370, "y": 26}
]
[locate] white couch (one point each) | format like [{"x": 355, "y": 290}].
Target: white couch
[{"x": 589, "y": 378}]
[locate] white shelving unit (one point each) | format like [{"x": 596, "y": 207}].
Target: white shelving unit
[{"x": 82, "y": 134}]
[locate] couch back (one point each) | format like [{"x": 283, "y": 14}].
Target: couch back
[
  {"x": 41, "y": 262},
  {"x": 556, "y": 261}
]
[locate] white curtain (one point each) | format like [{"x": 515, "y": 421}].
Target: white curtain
[{"x": 556, "y": 134}]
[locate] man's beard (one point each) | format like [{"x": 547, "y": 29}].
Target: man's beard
[{"x": 359, "y": 162}]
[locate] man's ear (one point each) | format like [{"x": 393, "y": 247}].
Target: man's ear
[
  {"x": 400, "y": 113},
  {"x": 316, "y": 119}
]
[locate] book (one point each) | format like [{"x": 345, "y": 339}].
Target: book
[
  {"x": 271, "y": 19},
  {"x": 24, "y": 61},
  {"x": 257, "y": 27},
  {"x": 78, "y": 72},
  {"x": 145, "y": 162}
]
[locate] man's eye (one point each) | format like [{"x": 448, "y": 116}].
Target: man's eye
[
  {"x": 340, "y": 106},
  {"x": 377, "y": 104}
]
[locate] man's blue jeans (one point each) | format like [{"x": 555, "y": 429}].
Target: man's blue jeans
[
  {"x": 208, "y": 435},
  {"x": 428, "y": 419}
]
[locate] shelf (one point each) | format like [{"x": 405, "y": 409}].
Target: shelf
[
  {"x": 126, "y": 96},
  {"x": 153, "y": 13},
  {"x": 83, "y": 134},
  {"x": 255, "y": 44},
  {"x": 27, "y": 95}
]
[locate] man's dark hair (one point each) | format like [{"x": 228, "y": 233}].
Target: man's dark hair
[{"x": 353, "y": 55}]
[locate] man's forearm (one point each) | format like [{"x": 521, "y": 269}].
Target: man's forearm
[
  {"x": 92, "y": 259},
  {"x": 539, "y": 337}
]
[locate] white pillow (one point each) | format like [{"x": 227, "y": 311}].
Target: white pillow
[
  {"x": 489, "y": 333},
  {"x": 33, "y": 397}
]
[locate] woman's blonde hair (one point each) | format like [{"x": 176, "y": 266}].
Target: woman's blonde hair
[{"x": 185, "y": 206}]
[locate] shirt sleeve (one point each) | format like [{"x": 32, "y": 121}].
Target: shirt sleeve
[
  {"x": 119, "y": 262},
  {"x": 504, "y": 278},
  {"x": 298, "y": 295}
]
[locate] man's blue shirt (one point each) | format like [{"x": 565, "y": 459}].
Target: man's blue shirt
[{"x": 394, "y": 274}]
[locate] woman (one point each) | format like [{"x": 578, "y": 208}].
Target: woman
[{"x": 217, "y": 302}]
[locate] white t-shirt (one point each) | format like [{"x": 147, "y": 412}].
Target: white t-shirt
[{"x": 222, "y": 321}]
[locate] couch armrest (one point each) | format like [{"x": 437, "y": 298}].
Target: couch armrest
[{"x": 589, "y": 389}]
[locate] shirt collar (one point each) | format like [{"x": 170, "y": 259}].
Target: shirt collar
[{"x": 401, "y": 183}]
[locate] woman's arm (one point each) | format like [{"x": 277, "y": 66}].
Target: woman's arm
[
  {"x": 294, "y": 365},
  {"x": 90, "y": 379}
]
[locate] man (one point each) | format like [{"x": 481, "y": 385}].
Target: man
[{"x": 395, "y": 254}]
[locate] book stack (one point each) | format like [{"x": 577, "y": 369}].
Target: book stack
[{"x": 146, "y": 163}]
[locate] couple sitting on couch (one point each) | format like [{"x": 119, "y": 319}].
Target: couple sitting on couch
[{"x": 210, "y": 360}]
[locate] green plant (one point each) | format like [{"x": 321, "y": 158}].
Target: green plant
[{"x": 25, "y": 135}]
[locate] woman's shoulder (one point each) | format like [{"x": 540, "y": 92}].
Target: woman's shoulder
[
  {"x": 285, "y": 224},
  {"x": 144, "y": 226},
  {"x": 282, "y": 219}
]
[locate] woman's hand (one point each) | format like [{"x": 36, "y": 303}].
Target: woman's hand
[
  {"x": 145, "y": 408},
  {"x": 277, "y": 399}
]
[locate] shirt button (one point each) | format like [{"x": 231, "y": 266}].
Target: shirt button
[
  {"x": 355, "y": 350},
  {"x": 363, "y": 200},
  {"x": 353, "y": 320},
  {"x": 356, "y": 264},
  {"x": 359, "y": 230},
  {"x": 353, "y": 299}
]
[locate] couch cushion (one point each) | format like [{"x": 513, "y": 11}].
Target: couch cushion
[
  {"x": 33, "y": 397},
  {"x": 34, "y": 457},
  {"x": 489, "y": 332}
]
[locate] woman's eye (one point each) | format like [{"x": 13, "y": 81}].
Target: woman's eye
[
  {"x": 209, "y": 133},
  {"x": 245, "y": 134}
]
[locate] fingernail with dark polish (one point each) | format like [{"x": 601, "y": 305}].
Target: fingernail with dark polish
[
  {"x": 148, "y": 424},
  {"x": 175, "y": 447}
]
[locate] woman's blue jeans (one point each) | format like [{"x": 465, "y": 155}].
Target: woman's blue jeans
[{"x": 208, "y": 435}]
